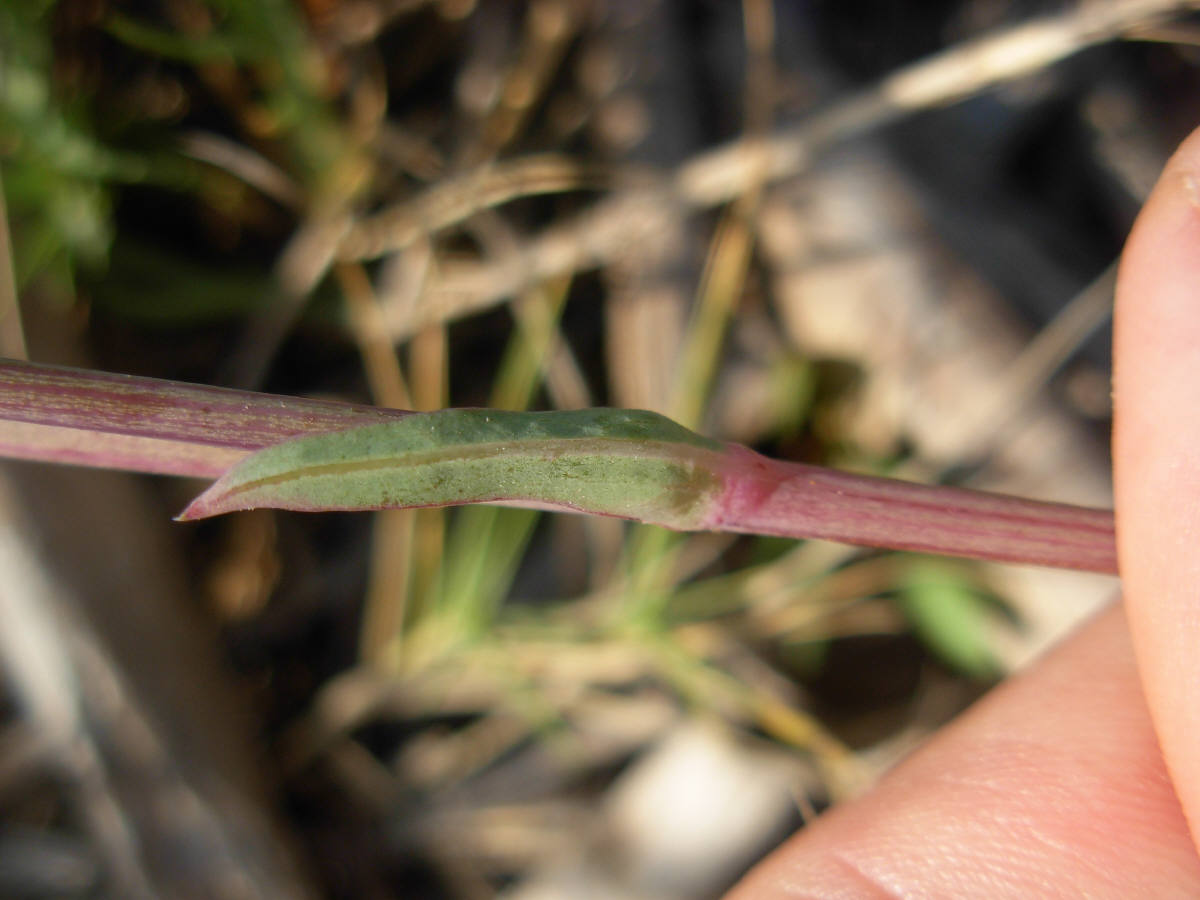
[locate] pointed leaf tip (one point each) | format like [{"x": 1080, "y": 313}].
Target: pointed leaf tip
[{"x": 199, "y": 508}]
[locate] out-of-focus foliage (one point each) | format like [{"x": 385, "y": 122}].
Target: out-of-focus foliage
[
  {"x": 947, "y": 610},
  {"x": 55, "y": 170}
]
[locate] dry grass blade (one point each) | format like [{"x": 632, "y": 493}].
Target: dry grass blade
[
  {"x": 452, "y": 201},
  {"x": 623, "y": 222},
  {"x": 1041, "y": 358},
  {"x": 243, "y": 163}
]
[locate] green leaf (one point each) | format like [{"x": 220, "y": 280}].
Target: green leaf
[
  {"x": 151, "y": 286},
  {"x": 627, "y": 463},
  {"x": 949, "y": 615},
  {"x": 196, "y": 49}
]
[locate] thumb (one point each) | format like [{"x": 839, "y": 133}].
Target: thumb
[{"x": 1156, "y": 455}]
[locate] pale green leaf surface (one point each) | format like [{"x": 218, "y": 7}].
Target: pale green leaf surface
[{"x": 626, "y": 463}]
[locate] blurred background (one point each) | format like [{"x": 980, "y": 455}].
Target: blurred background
[{"x": 778, "y": 223}]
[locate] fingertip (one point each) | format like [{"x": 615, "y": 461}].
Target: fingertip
[
  {"x": 1156, "y": 457},
  {"x": 1027, "y": 795},
  {"x": 1031, "y": 792}
]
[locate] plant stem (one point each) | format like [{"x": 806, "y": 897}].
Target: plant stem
[
  {"x": 787, "y": 499},
  {"x": 117, "y": 421},
  {"x": 56, "y": 414}
]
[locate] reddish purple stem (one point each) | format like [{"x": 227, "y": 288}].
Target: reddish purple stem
[
  {"x": 88, "y": 418},
  {"x": 56, "y": 414},
  {"x": 768, "y": 496}
]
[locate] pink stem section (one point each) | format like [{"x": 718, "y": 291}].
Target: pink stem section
[
  {"x": 55, "y": 414},
  {"x": 768, "y": 496}
]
